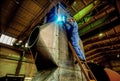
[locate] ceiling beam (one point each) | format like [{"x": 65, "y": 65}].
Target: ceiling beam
[
  {"x": 106, "y": 11},
  {"x": 97, "y": 38},
  {"x": 102, "y": 50},
  {"x": 86, "y": 10},
  {"x": 118, "y": 6},
  {"x": 104, "y": 38},
  {"x": 10, "y": 47},
  {"x": 97, "y": 24},
  {"x": 93, "y": 56},
  {"x": 110, "y": 23},
  {"x": 14, "y": 10},
  {"x": 102, "y": 46},
  {"x": 41, "y": 15},
  {"x": 97, "y": 58}
]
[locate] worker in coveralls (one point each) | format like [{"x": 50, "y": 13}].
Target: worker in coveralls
[{"x": 72, "y": 32}]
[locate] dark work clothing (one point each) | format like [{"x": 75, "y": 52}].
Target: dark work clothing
[{"x": 73, "y": 36}]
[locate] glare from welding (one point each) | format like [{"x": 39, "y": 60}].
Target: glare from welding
[{"x": 60, "y": 18}]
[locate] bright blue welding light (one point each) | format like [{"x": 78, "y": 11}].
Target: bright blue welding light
[{"x": 60, "y": 18}]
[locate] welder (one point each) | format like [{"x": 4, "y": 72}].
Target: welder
[{"x": 73, "y": 36}]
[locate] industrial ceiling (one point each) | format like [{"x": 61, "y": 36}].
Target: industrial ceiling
[{"x": 98, "y": 21}]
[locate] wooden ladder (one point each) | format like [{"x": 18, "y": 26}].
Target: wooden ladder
[{"x": 83, "y": 66}]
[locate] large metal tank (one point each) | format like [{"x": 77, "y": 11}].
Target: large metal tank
[{"x": 54, "y": 56}]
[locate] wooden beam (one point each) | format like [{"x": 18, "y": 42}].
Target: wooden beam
[
  {"x": 93, "y": 56},
  {"x": 118, "y": 6},
  {"x": 106, "y": 11},
  {"x": 11, "y": 58},
  {"x": 113, "y": 47},
  {"x": 36, "y": 21},
  {"x": 10, "y": 47},
  {"x": 19, "y": 64},
  {"x": 12, "y": 14}
]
